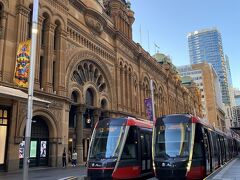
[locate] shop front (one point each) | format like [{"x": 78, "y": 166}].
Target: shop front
[{"x": 4, "y": 121}]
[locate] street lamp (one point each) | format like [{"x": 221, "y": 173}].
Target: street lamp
[{"x": 30, "y": 90}]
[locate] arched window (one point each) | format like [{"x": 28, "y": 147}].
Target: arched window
[
  {"x": 89, "y": 98},
  {"x": 72, "y": 113},
  {"x": 74, "y": 97},
  {"x": 29, "y": 33},
  {"x": 56, "y": 47},
  {"x": 41, "y": 72},
  {"x": 39, "y": 128},
  {"x": 104, "y": 104},
  {"x": 44, "y": 27},
  {"x": 56, "y": 36}
]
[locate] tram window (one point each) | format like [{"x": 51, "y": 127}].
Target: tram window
[
  {"x": 130, "y": 147},
  {"x": 147, "y": 144},
  {"x": 214, "y": 138},
  {"x": 226, "y": 145},
  {"x": 197, "y": 149}
]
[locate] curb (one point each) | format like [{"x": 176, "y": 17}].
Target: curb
[{"x": 213, "y": 174}]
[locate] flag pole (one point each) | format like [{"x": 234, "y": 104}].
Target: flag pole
[{"x": 30, "y": 90}]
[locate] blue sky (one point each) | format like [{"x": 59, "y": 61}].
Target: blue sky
[{"x": 169, "y": 21}]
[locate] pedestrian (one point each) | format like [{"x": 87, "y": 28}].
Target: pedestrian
[
  {"x": 74, "y": 158},
  {"x": 64, "y": 158}
]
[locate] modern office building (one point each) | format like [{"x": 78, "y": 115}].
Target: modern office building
[
  {"x": 206, "y": 46},
  {"x": 205, "y": 77}
]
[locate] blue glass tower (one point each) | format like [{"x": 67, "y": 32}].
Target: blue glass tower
[{"x": 206, "y": 46}]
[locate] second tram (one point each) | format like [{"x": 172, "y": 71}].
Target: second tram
[
  {"x": 184, "y": 147},
  {"x": 120, "y": 148}
]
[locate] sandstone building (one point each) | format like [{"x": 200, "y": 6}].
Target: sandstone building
[
  {"x": 87, "y": 67},
  {"x": 205, "y": 77}
]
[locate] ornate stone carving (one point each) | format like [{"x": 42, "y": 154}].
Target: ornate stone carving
[
  {"x": 94, "y": 23},
  {"x": 125, "y": 49},
  {"x": 70, "y": 47},
  {"x": 60, "y": 5},
  {"x": 87, "y": 71}
]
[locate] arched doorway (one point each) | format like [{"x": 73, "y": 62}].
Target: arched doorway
[
  {"x": 72, "y": 124},
  {"x": 39, "y": 146}
]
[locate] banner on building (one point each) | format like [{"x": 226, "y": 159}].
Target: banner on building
[
  {"x": 149, "y": 109},
  {"x": 22, "y": 68}
]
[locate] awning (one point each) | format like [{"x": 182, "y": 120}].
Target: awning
[{"x": 12, "y": 93}]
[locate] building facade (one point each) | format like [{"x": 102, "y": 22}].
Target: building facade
[
  {"x": 236, "y": 112},
  {"x": 197, "y": 76},
  {"x": 205, "y": 77},
  {"x": 87, "y": 68},
  {"x": 237, "y": 96},
  {"x": 206, "y": 46}
]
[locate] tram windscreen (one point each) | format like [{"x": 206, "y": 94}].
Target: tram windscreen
[
  {"x": 172, "y": 140},
  {"x": 106, "y": 142}
]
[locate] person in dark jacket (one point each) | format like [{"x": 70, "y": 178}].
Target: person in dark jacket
[{"x": 64, "y": 158}]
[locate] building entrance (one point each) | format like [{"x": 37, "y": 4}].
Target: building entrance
[
  {"x": 39, "y": 146},
  {"x": 4, "y": 121}
]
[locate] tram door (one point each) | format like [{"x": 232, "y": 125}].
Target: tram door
[
  {"x": 207, "y": 151},
  {"x": 145, "y": 136}
]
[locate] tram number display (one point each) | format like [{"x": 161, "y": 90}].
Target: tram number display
[
  {"x": 109, "y": 129},
  {"x": 170, "y": 126}
]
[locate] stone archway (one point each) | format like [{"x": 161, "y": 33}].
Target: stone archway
[{"x": 44, "y": 139}]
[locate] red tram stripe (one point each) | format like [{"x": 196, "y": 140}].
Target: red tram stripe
[
  {"x": 127, "y": 172},
  {"x": 133, "y": 122},
  {"x": 196, "y": 173}
]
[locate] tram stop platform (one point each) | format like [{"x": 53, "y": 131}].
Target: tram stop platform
[{"x": 230, "y": 171}]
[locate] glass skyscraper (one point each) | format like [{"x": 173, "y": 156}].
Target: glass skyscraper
[{"x": 206, "y": 46}]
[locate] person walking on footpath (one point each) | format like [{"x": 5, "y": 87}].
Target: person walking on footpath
[
  {"x": 74, "y": 158},
  {"x": 64, "y": 158}
]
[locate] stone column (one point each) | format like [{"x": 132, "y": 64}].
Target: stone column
[
  {"x": 61, "y": 63},
  {"x": 48, "y": 57},
  {"x": 131, "y": 89},
  {"x": 2, "y": 35},
  {"x": 122, "y": 88},
  {"x": 22, "y": 23},
  {"x": 38, "y": 53},
  {"x": 141, "y": 98},
  {"x": 126, "y": 97},
  {"x": 79, "y": 132},
  {"x": 119, "y": 88},
  {"x": 125, "y": 90}
]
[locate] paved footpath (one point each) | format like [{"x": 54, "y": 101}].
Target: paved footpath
[
  {"x": 46, "y": 173},
  {"x": 230, "y": 172}
]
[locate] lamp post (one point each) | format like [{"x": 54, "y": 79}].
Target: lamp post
[{"x": 30, "y": 90}]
